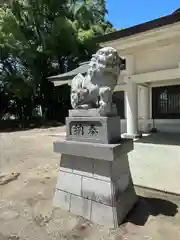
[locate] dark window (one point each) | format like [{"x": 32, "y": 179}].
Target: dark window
[
  {"x": 166, "y": 102},
  {"x": 118, "y": 99}
]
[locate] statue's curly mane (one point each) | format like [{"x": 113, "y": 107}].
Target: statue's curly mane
[{"x": 105, "y": 60}]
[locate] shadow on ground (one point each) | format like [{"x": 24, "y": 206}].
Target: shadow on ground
[
  {"x": 16, "y": 125},
  {"x": 160, "y": 138},
  {"x": 147, "y": 206}
]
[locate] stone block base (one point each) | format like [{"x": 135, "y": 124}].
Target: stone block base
[
  {"x": 92, "y": 112},
  {"x": 98, "y": 190}
]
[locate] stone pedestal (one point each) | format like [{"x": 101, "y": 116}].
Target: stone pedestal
[
  {"x": 93, "y": 129},
  {"x": 94, "y": 179}
]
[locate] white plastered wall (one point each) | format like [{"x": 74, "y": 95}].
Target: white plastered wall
[{"x": 153, "y": 52}]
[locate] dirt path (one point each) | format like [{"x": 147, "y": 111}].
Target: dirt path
[{"x": 26, "y": 211}]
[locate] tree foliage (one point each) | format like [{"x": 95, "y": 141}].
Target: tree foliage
[{"x": 43, "y": 38}]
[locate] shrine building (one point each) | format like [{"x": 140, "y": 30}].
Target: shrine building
[{"x": 148, "y": 90}]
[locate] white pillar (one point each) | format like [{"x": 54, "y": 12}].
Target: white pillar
[
  {"x": 131, "y": 99},
  {"x": 145, "y": 100},
  {"x": 145, "y": 108}
]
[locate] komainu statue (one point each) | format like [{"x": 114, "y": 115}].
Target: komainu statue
[{"x": 96, "y": 88}]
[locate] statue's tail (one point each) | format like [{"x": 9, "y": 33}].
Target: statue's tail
[
  {"x": 76, "y": 85},
  {"x": 77, "y": 82}
]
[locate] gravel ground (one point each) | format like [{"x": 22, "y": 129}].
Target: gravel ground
[{"x": 26, "y": 211}]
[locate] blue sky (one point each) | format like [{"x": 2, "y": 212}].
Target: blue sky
[{"x": 131, "y": 12}]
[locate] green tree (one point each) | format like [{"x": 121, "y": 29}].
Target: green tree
[{"x": 43, "y": 38}]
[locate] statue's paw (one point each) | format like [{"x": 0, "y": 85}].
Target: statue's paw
[
  {"x": 105, "y": 108},
  {"x": 85, "y": 106}
]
